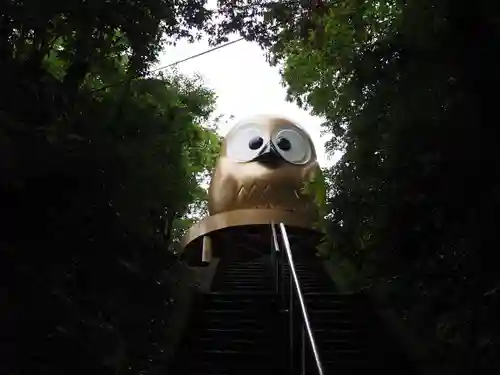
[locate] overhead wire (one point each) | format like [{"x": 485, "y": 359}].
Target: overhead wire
[
  {"x": 197, "y": 55},
  {"x": 104, "y": 87},
  {"x": 129, "y": 79}
]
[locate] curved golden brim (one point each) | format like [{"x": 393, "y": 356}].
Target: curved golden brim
[{"x": 245, "y": 233}]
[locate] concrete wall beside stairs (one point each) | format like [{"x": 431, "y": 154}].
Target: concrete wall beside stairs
[
  {"x": 187, "y": 282},
  {"x": 206, "y": 275}
]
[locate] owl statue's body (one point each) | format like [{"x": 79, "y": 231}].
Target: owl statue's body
[
  {"x": 259, "y": 178},
  {"x": 264, "y": 164}
]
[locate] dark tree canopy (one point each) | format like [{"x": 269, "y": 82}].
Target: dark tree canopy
[
  {"x": 408, "y": 91},
  {"x": 97, "y": 177},
  {"x": 95, "y": 170}
]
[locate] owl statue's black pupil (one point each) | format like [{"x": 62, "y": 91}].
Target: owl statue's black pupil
[
  {"x": 255, "y": 143},
  {"x": 284, "y": 144}
]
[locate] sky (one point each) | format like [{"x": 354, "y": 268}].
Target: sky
[{"x": 245, "y": 85}]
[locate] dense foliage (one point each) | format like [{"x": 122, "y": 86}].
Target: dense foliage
[
  {"x": 98, "y": 178},
  {"x": 95, "y": 170},
  {"x": 408, "y": 92}
]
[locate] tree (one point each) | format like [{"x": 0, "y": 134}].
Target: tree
[
  {"x": 92, "y": 163},
  {"x": 404, "y": 88}
]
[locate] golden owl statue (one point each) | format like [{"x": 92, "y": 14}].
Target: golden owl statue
[
  {"x": 264, "y": 163},
  {"x": 259, "y": 178}
]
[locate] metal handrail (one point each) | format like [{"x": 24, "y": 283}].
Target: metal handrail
[{"x": 296, "y": 284}]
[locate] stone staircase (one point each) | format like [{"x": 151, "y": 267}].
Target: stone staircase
[
  {"x": 239, "y": 327},
  {"x": 236, "y": 329},
  {"x": 241, "y": 276},
  {"x": 312, "y": 276},
  {"x": 350, "y": 337}
]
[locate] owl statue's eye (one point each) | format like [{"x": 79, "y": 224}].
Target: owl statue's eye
[
  {"x": 284, "y": 144},
  {"x": 244, "y": 144},
  {"x": 293, "y": 146},
  {"x": 256, "y": 143}
]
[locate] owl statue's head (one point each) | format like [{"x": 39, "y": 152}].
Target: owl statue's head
[{"x": 264, "y": 164}]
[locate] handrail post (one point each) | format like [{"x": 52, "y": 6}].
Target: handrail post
[
  {"x": 282, "y": 279},
  {"x": 277, "y": 261},
  {"x": 303, "y": 349},
  {"x": 291, "y": 323},
  {"x": 274, "y": 258},
  {"x": 294, "y": 281}
]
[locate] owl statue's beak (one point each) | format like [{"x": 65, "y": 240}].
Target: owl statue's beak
[{"x": 269, "y": 156}]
